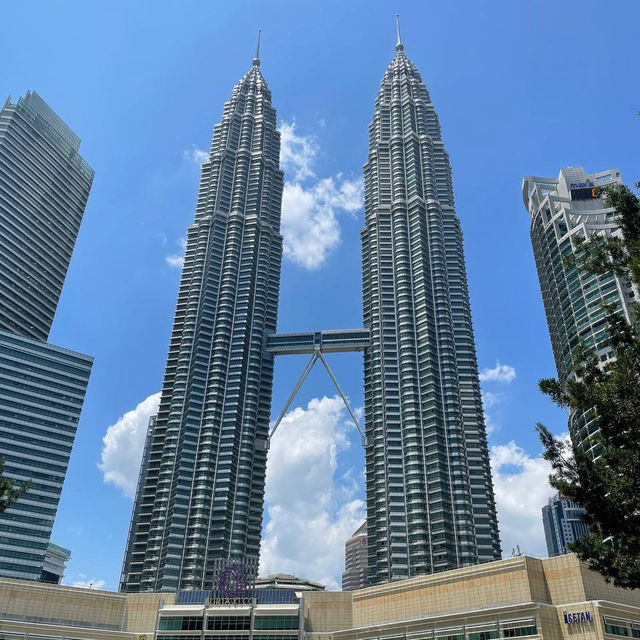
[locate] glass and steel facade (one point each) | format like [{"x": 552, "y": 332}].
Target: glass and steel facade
[
  {"x": 200, "y": 497},
  {"x": 42, "y": 388},
  {"x": 430, "y": 501},
  {"x": 254, "y": 617},
  {"x": 563, "y": 210},
  {"x": 44, "y": 186},
  {"x": 563, "y": 524}
]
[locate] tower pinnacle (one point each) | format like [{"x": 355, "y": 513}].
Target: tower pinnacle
[
  {"x": 399, "y": 45},
  {"x": 256, "y": 60}
]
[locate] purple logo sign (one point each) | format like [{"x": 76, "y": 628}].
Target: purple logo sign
[{"x": 233, "y": 581}]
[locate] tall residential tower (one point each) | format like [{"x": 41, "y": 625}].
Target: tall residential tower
[
  {"x": 200, "y": 496},
  {"x": 430, "y": 502}
]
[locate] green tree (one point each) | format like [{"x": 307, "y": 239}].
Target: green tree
[
  {"x": 607, "y": 486},
  {"x": 10, "y": 490}
]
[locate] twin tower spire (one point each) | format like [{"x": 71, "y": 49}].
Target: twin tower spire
[
  {"x": 399, "y": 45},
  {"x": 200, "y": 498}
]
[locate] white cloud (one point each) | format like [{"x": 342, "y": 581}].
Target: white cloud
[
  {"x": 500, "y": 373},
  {"x": 123, "y": 444},
  {"x": 195, "y": 155},
  {"x": 90, "y": 584},
  {"x": 312, "y": 509},
  {"x": 521, "y": 488},
  {"x": 310, "y": 207},
  {"x": 310, "y": 224},
  {"x": 176, "y": 260},
  {"x": 297, "y": 152},
  {"x": 491, "y": 399}
]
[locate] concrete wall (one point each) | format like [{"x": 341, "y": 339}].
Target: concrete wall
[
  {"x": 482, "y": 586},
  {"x": 142, "y": 609},
  {"x": 327, "y": 611},
  {"x": 55, "y": 604}
]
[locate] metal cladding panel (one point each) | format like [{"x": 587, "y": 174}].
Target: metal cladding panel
[
  {"x": 193, "y": 597},
  {"x": 261, "y": 596}
]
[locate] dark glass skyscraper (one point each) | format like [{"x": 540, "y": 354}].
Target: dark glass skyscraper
[
  {"x": 430, "y": 503},
  {"x": 200, "y": 496},
  {"x": 44, "y": 186},
  {"x": 42, "y": 389},
  {"x": 43, "y": 193}
]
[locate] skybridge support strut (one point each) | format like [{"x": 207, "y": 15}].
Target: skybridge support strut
[
  {"x": 294, "y": 393},
  {"x": 317, "y": 355},
  {"x": 344, "y": 399}
]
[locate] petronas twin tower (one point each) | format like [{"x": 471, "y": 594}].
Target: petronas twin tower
[{"x": 430, "y": 504}]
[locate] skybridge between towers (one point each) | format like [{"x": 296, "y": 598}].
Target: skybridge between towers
[{"x": 317, "y": 343}]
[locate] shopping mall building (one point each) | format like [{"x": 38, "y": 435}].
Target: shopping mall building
[{"x": 521, "y": 597}]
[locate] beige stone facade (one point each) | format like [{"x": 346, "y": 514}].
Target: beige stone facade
[
  {"x": 504, "y": 599},
  {"x": 39, "y": 611},
  {"x": 523, "y": 597}
]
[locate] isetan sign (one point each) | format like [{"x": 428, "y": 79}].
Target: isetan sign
[{"x": 580, "y": 616}]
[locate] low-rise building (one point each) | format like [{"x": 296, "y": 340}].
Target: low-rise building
[
  {"x": 55, "y": 563},
  {"x": 522, "y": 597}
]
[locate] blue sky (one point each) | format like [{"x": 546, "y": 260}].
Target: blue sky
[{"x": 521, "y": 88}]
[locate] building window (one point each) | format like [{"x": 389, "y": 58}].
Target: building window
[
  {"x": 484, "y": 635},
  {"x": 281, "y": 623},
  {"x": 518, "y": 632},
  {"x": 229, "y": 623},
  {"x": 616, "y": 629},
  {"x": 180, "y": 623}
]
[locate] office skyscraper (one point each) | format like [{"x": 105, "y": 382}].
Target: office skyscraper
[
  {"x": 562, "y": 522},
  {"x": 355, "y": 572},
  {"x": 42, "y": 389},
  {"x": 44, "y": 186},
  {"x": 430, "y": 503},
  {"x": 200, "y": 498},
  {"x": 43, "y": 193},
  {"x": 563, "y": 209}
]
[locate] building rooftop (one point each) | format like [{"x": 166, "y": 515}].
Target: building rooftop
[{"x": 287, "y": 581}]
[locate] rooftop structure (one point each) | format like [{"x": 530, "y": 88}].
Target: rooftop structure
[{"x": 287, "y": 581}]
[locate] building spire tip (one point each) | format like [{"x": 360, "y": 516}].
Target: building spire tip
[
  {"x": 399, "y": 45},
  {"x": 256, "y": 60}
]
